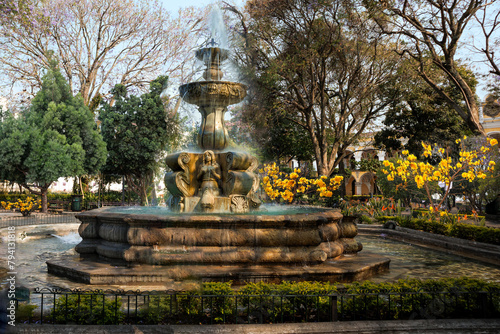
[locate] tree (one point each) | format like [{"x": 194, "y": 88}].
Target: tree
[
  {"x": 470, "y": 165},
  {"x": 20, "y": 10},
  {"x": 277, "y": 138},
  {"x": 430, "y": 32},
  {"x": 406, "y": 192},
  {"x": 421, "y": 114},
  {"x": 56, "y": 137},
  {"x": 319, "y": 64},
  {"x": 488, "y": 17},
  {"x": 137, "y": 131},
  {"x": 98, "y": 43},
  {"x": 480, "y": 192}
]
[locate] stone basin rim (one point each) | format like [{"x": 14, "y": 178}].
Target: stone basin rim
[
  {"x": 206, "y": 82},
  {"x": 313, "y": 216}
]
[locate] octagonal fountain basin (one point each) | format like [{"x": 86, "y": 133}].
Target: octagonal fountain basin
[{"x": 141, "y": 245}]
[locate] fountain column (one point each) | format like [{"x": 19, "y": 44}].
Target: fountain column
[{"x": 213, "y": 133}]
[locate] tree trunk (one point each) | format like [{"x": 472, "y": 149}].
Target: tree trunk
[
  {"x": 44, "y": 192},
  {"x": 143, "y": 192}
]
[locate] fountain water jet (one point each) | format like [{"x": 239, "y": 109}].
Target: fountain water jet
[{"x": 214, "y": 230}]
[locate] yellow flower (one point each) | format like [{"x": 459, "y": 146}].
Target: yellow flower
[
  {"x": 493, "y": 142},
  {"x": 419, "y": 180},
  {"x": 405, "y": 152},
  {"x": 320, "y": 183},
  {"x": 290, "y": 184},
  {"x": 337, "y": 179}
]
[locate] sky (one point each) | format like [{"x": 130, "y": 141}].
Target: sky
[{"x": 174, "y": 5}]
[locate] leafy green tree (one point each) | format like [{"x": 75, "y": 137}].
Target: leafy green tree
[
  {"x": 277, "y": 137},
  {"x": 318, "y": 64},
  {"x": 56, "y": 137},
  {"x": 137, "y": 131},
  {"x": 421, "y": 114}
]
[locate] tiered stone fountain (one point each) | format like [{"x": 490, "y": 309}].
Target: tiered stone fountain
[
  {"x": 215, "y": 180},
  {"x": 215, "y": 229}
]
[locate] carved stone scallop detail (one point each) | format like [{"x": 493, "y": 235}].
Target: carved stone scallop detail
[{"x": 239, "y": 204}]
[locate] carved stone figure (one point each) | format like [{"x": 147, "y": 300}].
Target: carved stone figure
[{"x": 209, "y": 177}]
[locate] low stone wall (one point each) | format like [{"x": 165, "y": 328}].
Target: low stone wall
[
  {"x": 455, "y": 326},
  {"x": 467, "y": 248}
]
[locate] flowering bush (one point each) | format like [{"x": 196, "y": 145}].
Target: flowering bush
[
  {"x": 24, "y": 206},
  {"x": 288, "y": 186},
  {"x": 471, "y": 164}
]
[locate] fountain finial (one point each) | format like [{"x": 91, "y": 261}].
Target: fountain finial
[{"x": 212, "y": 43}]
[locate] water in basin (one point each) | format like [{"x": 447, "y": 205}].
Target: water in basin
[
  {"x": 410, "y": 261},
  {"x": 268, "y": 210},
  {"x": 406, "y": 261}
]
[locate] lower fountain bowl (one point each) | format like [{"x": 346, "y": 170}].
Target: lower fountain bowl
[{"x": 119, "y": 247}]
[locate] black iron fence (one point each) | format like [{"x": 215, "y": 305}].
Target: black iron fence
[
  {"x": 38, "y": 219},
  {"x": 56, "y": 306}
]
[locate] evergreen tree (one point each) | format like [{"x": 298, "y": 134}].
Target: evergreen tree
[
  {"x": 56, "y": 137},
  {"x": 137, "y": 131}
]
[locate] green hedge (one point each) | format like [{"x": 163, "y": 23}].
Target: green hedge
[
  {"x": 419, "y": 212},
  {"x": 458, "y": 230},
  {"x": 284, "y": 302}
]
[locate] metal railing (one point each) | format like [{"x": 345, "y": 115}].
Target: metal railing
[
  {"x": 57, "y": 306},
  {"x": 38, "y": 219}
]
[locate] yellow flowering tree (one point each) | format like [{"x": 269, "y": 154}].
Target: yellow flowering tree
[
  {"x": 26, "y": 207},
  {"x": 470, "y": 165},
  {"x": 288, "y": 186}
]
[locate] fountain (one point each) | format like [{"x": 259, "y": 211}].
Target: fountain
[
  {"x": 216, "y": 229},
  {"x": 215, "y": 180}
]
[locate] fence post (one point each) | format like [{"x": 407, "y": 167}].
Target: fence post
[
  {"x": 482, "y": 300},
  {"x": 333, "y": 303}
]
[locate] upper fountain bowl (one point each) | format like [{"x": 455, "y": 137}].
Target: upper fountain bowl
[
  {"x": 212, "y": 54},
  {"x": 214, "y": 93}
]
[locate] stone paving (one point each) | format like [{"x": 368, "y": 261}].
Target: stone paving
[{"x": 452, "y": 326}]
